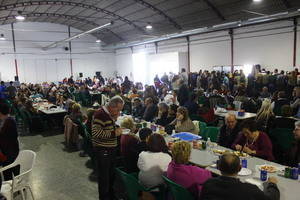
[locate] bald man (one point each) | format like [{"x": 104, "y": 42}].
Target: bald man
[
  {"x": 229, "y": 131},
  {"x": 228, "y": 186}
]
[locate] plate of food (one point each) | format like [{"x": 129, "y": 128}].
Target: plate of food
[
  {"x": 268, "y": 168},
  {"x": 240, "y": 154},
  {"x": 220, "y": 152}
]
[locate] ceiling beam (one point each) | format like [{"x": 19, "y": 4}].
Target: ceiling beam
[
  {"x": 286, "y": 4},
  {"x": 215, "y": 9},
  {"x": 160, "y": 12},
  {"x": 69, "y": 17},
  {"x": 70, "y": 3}
]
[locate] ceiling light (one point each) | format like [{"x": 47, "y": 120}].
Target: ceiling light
[
  {"x": 2, "y": 37},
  {"x": 20, "y": 17},
  {"x": 256, "y": 1},
  {"x": 98, "y": 41},
  {"x": 149, "y": 26}
]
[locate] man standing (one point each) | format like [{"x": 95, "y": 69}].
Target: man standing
[
  {"x": 228, "y": 186},
  {"x": 229, "y": 131},
  {"x": 104, "y": 138}
]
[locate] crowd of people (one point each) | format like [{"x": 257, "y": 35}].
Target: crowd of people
[{"x": 172, "y": 102}]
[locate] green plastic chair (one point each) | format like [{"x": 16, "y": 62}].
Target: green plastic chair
[
  {"x": 133, "y": 187},
  {"x": 202, "y": 127},
  {"x": 211, "y": 132},
  {"x": 87, "y": 143},
  {"x": 178, "y": 192},
  {"x": 282, "y": 137}
]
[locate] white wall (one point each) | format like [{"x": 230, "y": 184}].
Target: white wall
[
  {"x": 36, "y": 65},
  {"x": 270, "y": 45}
]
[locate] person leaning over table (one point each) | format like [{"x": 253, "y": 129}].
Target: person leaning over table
[
  {"x": 229, "y": 187},
  {"x": 229, "y": 131},
  {"x": 154, "y": 162},
  {"x": 188, "y": 176},
  {"x": 253, "y": 141},
  {"x": 183, "y": 123},
  {"x": 104, "y": 139}
]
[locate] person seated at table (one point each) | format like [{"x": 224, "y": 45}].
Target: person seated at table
[
  {"x": 172, "y": 113},
  {"x": 188, "y": 176},
  {"x": 76, "y": 115},
  {"x": 229, "y": 131},
  {"x": 265, "y": 93},
  {"x": 52, "y": 97},
  {"x": 281, "y": 101},
  {"x": 253, "y": 142},
  {"x": 162, "y": 118},
  {"x": 129, "y": 146},
  {"x": 144, "y": 134},
  {"x": 151, "y": 110},
  {"x": 241, "y": 95},
  {"x": 60, "y": 101},
  {"x": 286, "y": 120},
  {"x": 228, "y": 186},
  {"x": 154, "y": 162},
  {"x": 294, "y": 153},
  {"x": 265, "y": 116},
  {"x": 137, "y": 108},
  {"x": 183, "y": 123},
  {"x": 191, "y": 105}
]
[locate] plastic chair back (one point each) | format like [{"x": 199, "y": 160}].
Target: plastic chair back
[
  {"x": 178, "y": 192},
  {"x": 202, "y": 127},
  {"x": 132, "y": 185},
  {"x": 212, "y": 133}
]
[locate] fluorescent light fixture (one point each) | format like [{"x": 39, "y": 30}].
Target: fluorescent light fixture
[
  {"x": 149, "y": 26},
  {"x": 257, "y": 1},
  {"x": 98, "y": 41},
  {"x": 2, "y": 37},
  {"x": 20, "y": 17}
]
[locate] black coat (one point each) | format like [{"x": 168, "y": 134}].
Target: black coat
[
  {"x": 228, "y": 188},
  {"x": 227, "y": 140}
]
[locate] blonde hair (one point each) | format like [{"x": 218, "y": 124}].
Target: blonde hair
[
  {"x": 265, "y": 111},
  {"x": 184, "y": 111},
  {"x": 90, "y": 112},
  {"x": 76, "y": 107},
  {"x": 181, "y": 152},
  {"x": 128, "y": 123}
]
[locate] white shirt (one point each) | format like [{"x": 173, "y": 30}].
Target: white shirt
[{"x": 152, "y": 165}]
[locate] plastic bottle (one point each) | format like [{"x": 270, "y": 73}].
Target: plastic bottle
[{"x": 208, "y": 143}]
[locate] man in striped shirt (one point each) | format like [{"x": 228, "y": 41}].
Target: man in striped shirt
[{"x": 104, "y": 138}]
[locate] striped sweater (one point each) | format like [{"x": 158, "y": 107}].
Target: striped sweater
[{"x": 103, "y": 130}]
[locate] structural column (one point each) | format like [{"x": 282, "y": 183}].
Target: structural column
[
  {"x": 295, "y": 42},
  {"x": 231, "y": 49},
  {"x": 188, "y": 54},
  {"x": 70, "y": 50},
  {"x": 14, "y": 46}
]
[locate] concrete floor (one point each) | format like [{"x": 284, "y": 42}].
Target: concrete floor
[{"x": 59, "y": 174}]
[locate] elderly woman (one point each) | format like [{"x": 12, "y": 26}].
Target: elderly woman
[
  {"x": 182, "y": 122},
  {"x": 188, "y": 176},
  {"x": 265, "y": 116},
  {"x": 154, "y": 162},
  {"x": 253, "y": 141},
  {"x": 129, "y": 146},
  {"x": 162, "y": 118}
]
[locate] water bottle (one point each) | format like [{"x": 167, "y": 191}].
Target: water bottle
[{"x": 208, "y": 144}]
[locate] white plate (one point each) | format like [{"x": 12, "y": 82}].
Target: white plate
[
  {"x": 245, "y": 172},
  {"x": 125, "y": 131},
  {"x": 275, "y": 168}
]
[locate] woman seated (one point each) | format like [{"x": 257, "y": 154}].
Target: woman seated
[
  {"x": 172, "y": 113},
  {"x": 154, "y": 162},
  {"x": 265, "y": 116},
  {"x": 162, "y": 118},
  {"x": 183, "y": 123},
  {"x": 188, "y": 176},
  {"x": 144, "y": 135},
  {"x": 129, "y": 146},
  {"x": 254, "y": 142},
  {"x": 76, "y": 114}
]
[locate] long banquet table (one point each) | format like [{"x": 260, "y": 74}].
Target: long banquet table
[{"x": 289, "y": 189}]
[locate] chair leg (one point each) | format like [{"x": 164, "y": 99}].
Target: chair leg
[
  {"x": 22, "y": 194},
  {"x": 31, "y": 193}
]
